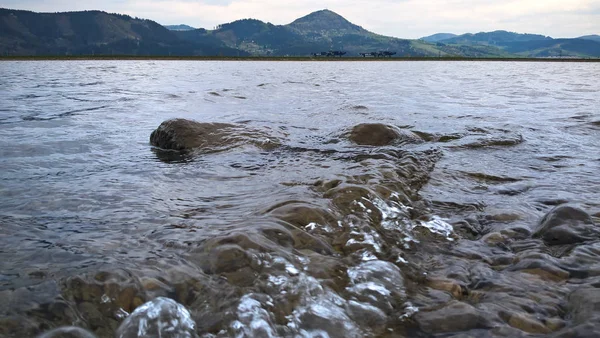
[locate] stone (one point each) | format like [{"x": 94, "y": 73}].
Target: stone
[
  {"x": 182, "y": 134},
  {"x": 566, "y": 225},
  {"x": 160, "y": 317},
  {"x": 378, "y": 283},
  {"x": 455, "y": 316},
  {"x": 446, "y": 285},
  {"x": 584, "y": 305},
  {"x": 367, "y": 315},
  {"x": 527, "y": 323},
  {"x": 377, "y": 134}
]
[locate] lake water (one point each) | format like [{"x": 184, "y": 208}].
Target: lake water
[{"x": 314, "y": 237}]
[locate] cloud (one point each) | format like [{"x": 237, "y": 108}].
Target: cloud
[{"x": 401, "y": 18}]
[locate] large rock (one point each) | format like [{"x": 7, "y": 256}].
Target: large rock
[
  {"x": 566, "y": 225},
  {"x": 377, "y": 134},
  {"x": 182, "y": 134}
]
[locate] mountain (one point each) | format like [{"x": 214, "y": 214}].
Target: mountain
[
  {"x": 555, "y": 48},
  {"x": 101, "y": 33},
  {"x": 495, "y": 38},
  {"x": 325, "y": 23},
  {"x": 438, "y": 37},
  {"x": 93, "y": 33},
  {"x": 322, "y": 31},
  {"x": 179, "y": 27},
  {"x": 594, "y": 37},
  {"x": 527, "y": 45}
]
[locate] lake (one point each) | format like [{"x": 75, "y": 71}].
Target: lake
[{"x": 479, "y": 218}]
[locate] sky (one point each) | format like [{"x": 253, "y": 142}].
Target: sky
[{"x": 400, "y": 18}]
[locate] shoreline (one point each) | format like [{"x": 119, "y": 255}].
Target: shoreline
[{"x": 282, "y": 58}]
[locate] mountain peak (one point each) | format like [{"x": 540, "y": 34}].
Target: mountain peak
[
  {"x": 325, "y": 20},
  {"x": 324, "y": 14}
]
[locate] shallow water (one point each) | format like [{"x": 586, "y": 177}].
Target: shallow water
[{"x": 317, "y": 236}]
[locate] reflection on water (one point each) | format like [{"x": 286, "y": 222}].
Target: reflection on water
[{"x": 447, "y": 227}]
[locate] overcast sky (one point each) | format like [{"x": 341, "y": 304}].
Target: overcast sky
[{"x": 399, "y": 18}]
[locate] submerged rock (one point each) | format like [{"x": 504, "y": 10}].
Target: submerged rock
[
  {"x": 566, "y": 225},
  {"x": 182, "y": 134},
  {"x": 584, "y": 305},
  {"x": 377, "y": 134},
  {"x": 68, "y": 332},
  {"x": 456, "y": 316},
  {"x": 161, "y": 317}
]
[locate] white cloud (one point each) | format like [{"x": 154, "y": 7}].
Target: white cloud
[{"x": 403, "y": 18}]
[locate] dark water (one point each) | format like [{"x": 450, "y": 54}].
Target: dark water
[{"x": 315, "y": 237}]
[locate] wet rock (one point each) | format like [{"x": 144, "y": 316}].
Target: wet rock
[
  {"x": 527, "y": 323},
  {"x": 584, "y": 305},
  {"x": 494, "y": 141},
  {"x": 373, "y": 134},
  {"x": 301, "y": 215},
  {"x": 586, "y": 330},
  {"x": 367, "y": 316},
  {"x": 516, "y": 233},
  {"x": 540, "y": 264},
  {"x": 115, "y": 291},
  {"x": 496, "y": 332},
  {"x": 377, "y": 134},
  {"x": 182, "y": 134},
  {"x": 566, "y": 225},
  {"x": 325, "y": 318},
  {"x": 227, "y": 258},
  {"x": 429, "y": 137},
  {"x": 455, "y": 316},
  {"x": 68, "y": 332},
  {"x": 494, "y": 238},
  {"x": 253, "y": 319},
  {"x": 161, "y": 317},
  {"x": 378, "y": 283},
  {"x": 452, "y": 287},
  {"x": 583, "y": 261},
  {"x": 306, "y": 241}
]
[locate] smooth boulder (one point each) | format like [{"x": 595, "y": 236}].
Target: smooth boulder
[
  {"x": 182, "y": 134},
  {"x": 378, "y": 134},
  {"x": 566, "y": 225}
]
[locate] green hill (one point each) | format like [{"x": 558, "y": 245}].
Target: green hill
[
  {"x": 495, "y": 38},
  {"x": 528, "y": 45},
  {"x": 594, "y": 37},
  {"x": 438, "y": 37},
  {"x": 93, "y": 33}
]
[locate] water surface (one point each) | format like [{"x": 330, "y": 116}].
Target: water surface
[{"x": 316, "y": 237}]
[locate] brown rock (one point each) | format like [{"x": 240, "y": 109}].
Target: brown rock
[
  {"x": 566, "y": 225},
  {"x": 527, "y": 323},
  {"x": 455, "y": 316},
  {"x": 182, "y": 134},
  {"x": 447, "y": 285},
  {"x": 584, "y": 305},
  {"x": 377, "y": 134}
]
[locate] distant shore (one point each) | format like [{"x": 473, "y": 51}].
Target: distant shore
[{"x": 279, "y": 58}]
